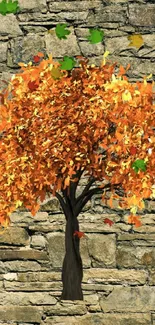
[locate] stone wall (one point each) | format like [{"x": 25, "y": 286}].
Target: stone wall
[{"x": 118, "y": 261}]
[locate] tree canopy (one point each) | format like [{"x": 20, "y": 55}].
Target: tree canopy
[{"x": 55, "y": 123}]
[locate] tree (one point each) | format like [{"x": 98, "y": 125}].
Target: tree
[{"x": 55, "y": 124}]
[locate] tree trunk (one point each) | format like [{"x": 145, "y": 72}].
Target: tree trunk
[{"x": 72, "y": 271}]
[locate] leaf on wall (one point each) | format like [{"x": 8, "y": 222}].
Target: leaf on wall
[
  {"x": 8, "y": 7},
  {"x": 136, "y": 40}
]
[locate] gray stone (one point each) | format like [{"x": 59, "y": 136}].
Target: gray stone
[
  {"x": 114, "y": 276},
  {"x": 135, "y": 256},
  {"x": 15, "y": 236},
  {"x": 38, "y": 276},
  {"x": 25, "y": 218},
  {"x": 9, "y": 26},
  {"x": 67, "y": 308},
  {"x": 142, "y": 15},
  {"x": 29, "y": 254},
  {"x": 102, "y": 249},
  {"x": 56, "y": 248},
  {"x": 58, "y": 6},
  {"x": 26, "y": 298},
  {"x": 108, "y": 14},
  {"x": 137, "y": 239},
  {"x": 152, "y": 277},
  {"x": 38, "y": 242},
  {"x": 17, "y": 266},
  {"x": 129, "y": 299},
  {"x": 23, "y": 49},
  {"x": 54, "y": 45},
  {"x": 32, "y": 286},
  {"x": 3, "y": 51},
  {"x": 33, "y": 5},
  {"x": 102, "y": 319},
  {"x": 20, "y": 314}
]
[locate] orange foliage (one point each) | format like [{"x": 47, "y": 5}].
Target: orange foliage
[{"x": 52, "y": 127}]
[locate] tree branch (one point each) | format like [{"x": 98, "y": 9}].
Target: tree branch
[
  {"x": 89, "y": 194},
  {"x": 82, "y": 195},
  {"x": 73, "y": 186}
]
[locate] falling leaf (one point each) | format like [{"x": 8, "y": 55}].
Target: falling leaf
[
  {"x": 96, "y": 36},
  {"x": 139, "y": 164},
  {"x": 133, "y": 150},
  {"x": 61, "y": 32},
  {"x": 8, "y": 7},
  {"x": 68, "y": 63},
  {"x": 104, "y": 56},
  {"x": 135, "y": 220},
  {"x": 56, "y": 73},
  {"x": 108, "y": 221},
  {"x": 136, "y": 40},
  {"x": 79, "y": 234},
  {"x": 126, "y": 96},
  {"x": 32, "y": 85},
  {"x": 36, "y": 58}
]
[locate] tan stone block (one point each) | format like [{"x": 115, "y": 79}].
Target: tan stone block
[
  {"x": 142, "y": 15},
  {"x": 10, "y": 26},
  {"x": 114, "y": 276},
  {"x": 56, "y": 248},
  {"x": 32, "y": 286},
  {"x": 101, "y": 319},
  {"x": 20, "y": 314},
  {"x": 129, "y": 299},
  {"x": 26, "y": 298},
  {"x": 38, "y": 276},
  {"x": 17, "y": 266},
  {"x": 15, "y": 236},
  {"x": 102, "y": 249},
  {"x": 128, "y": 256},
  {"x": 152, "y": 277},
  {"x": 67, "y": 308},
  {"x": 38, "y": 241},
  {"x": 29, "y": 254}
]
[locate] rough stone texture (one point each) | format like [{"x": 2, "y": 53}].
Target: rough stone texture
[
  {"x": 118, "y": 261},
  {"x": 103, "y": 319},
  {"x": 130, "y": 299},
  {"x": 20, "y": 314}
]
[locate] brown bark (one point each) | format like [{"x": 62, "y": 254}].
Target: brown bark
[{"x": 72, "y": 270}]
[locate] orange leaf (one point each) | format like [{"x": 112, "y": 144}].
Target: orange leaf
[
  {"x": 134, "y": 220},
  {"x": 108, "y": 221},
  {"x": 36, "y": 59},
  {"x": 133, "y": 150},
  {"x": 79, "y": 234},
  {"x": 32, "y": 85}
]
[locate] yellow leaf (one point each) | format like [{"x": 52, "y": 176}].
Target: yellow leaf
[
  {"x": 67, "y": 181},
  {"x": 71, "y": 162},
  {"x": 136, "y": 40},
  {"x": 18, "y": 203},
  {"x": 104, "y": 56},
  {"x": 126, "y": 95},
  {"x": 133, "y": 210}
]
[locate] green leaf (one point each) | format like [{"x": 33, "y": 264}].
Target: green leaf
[
  {"x": 68, "y": 63},
  {"x": 12, "y": 7},
  {"x": 139, "y": 164},
  {"x": 8, "y": 7},
  {"x": 96, "y": 36},
  {"x": 61, "y": 32},
  {"x": 3, "y": 8}
]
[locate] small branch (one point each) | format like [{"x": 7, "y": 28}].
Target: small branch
[
  {"x": 73, "y": 186},
  {"x": 89, "y": 194},
  {"x": 82, "y": 195}
]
